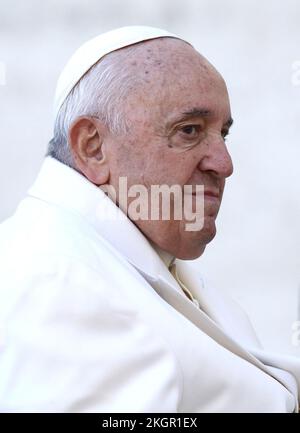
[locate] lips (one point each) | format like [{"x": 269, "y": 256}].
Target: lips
[{"x": 210, "y": 193}]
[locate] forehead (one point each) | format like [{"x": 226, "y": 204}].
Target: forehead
[
  {"x": 174, "y": 79},
  {"x": 195, "y": 94}
]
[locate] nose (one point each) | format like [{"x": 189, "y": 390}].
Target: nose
[{"x": 216, "y": 157}]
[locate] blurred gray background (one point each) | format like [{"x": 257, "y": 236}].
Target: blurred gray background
[{"x": 256, "y": 46}]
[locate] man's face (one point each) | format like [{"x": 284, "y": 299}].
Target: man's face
[{"x": 178, "y": 116}]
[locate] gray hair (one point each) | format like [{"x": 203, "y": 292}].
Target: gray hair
[{"x": 100, "y": 92}]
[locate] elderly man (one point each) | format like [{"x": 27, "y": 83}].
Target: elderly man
[{"x": 96, "y": 314}]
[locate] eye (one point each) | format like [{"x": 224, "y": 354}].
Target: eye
[
  {"x": 225, "y": 134},
  {"x": 190, "y": 131}
]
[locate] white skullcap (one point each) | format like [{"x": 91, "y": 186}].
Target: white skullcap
[{"x": 94, "y": 49}]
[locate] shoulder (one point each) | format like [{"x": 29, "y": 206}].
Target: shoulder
[{"x": 72, "y": 340}]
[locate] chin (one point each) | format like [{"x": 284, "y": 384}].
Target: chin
[
  {"x": 192, "y": 253},
  {"x": 196, "y": 242},
  {"x": 207, "y": 233}
]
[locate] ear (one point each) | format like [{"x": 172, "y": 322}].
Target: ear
[{"x": 87, "y": 140}]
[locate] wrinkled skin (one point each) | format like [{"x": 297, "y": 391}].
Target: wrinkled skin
[{"x": 178, "y": 115}]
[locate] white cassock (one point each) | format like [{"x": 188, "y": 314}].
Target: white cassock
[{"x": 93, "y": 321}]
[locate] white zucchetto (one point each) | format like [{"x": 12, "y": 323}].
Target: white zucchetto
[{"x": 93, "y": 50}]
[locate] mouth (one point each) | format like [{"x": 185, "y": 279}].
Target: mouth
[{"x": 210, "y": 194}]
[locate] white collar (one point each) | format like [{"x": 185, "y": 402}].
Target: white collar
[
  {"x": 166, "y": 257},
  {"x": 63, "y": 186}
]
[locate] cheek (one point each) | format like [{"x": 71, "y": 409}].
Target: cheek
[
  {"x": 128, "y": 161},
  {"x": 190, "y": 173},
  {"x": 152, "y": 162},
  {"x": 172, "y": 169}
]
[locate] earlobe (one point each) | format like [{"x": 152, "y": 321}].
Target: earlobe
[{"x": 87, "y": 143}]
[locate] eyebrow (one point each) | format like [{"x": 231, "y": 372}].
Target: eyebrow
[{"x": 201, "y": 112}]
